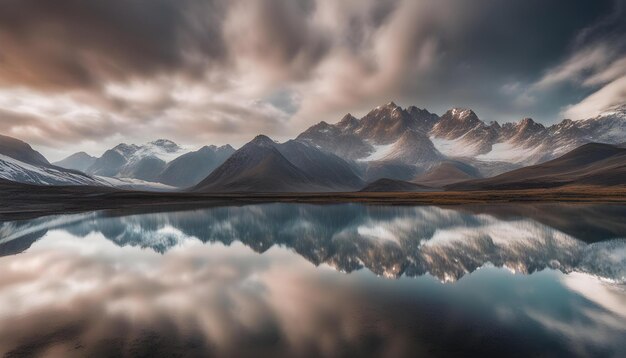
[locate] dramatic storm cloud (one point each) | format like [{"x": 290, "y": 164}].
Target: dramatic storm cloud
[{"x": 78, "y": 74}]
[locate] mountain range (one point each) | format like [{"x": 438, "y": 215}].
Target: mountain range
[
  {"x": 409, "y": 148},
  {"x": 459, "y": 134},
  {"x": 160, "y": 161}
]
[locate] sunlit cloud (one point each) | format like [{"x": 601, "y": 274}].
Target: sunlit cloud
[{"x": 216, "y": 71}]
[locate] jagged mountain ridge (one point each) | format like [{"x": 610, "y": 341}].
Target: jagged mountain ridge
[
  {"x": 353, "y": 138},
  {"x": 458, "y": 134},
  {"x": 528, "y": 142},
  {"x": 387, "y": 142}
]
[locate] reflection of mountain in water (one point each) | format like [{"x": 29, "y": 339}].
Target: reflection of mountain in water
[{"x": 389, "y": 241}]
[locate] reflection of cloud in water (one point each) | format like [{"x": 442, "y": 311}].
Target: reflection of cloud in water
[
  {"x": 77, "y": 295},
  {"x": 599, "y": 324}
]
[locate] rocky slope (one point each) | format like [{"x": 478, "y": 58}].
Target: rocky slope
[
  {"x": 21, "y": 151},
  {"x": 20, "y": 163},
  {"x": 590, "y": 164},
  {"x": 191, "y": 168},
  {"x": 447, "y": 173}
]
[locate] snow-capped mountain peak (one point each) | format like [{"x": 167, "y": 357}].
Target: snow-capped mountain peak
[
  {"x": 126, "y": 150},
  {"x": 462, "y": 114},
  {"x": 166, "y": 144},
  {"x": 460, "y": 134},
  {"x": 162, "y": 149}
]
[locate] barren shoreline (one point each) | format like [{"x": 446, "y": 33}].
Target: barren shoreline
[{"x": 32, "y": 201}]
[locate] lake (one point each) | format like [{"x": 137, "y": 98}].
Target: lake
[{"x": 317, "y": 280}]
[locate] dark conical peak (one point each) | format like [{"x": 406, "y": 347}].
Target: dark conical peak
[{"x": 263, "y": 140}]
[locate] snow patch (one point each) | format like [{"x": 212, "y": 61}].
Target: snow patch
[
  {"x": 453, "y": 147},
  {"x": 507, "y": 152},
  {"x": 151, "y": 150},
  {"x": 137, "y": 184},
  {"x": 18, "y": 171},
  {"x": 380, "y": 152}
]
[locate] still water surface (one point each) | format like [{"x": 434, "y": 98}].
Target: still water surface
[{"x": 306, "y": 280}]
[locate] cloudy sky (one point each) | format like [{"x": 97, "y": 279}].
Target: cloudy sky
[{"x": 88, "y": 74}]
